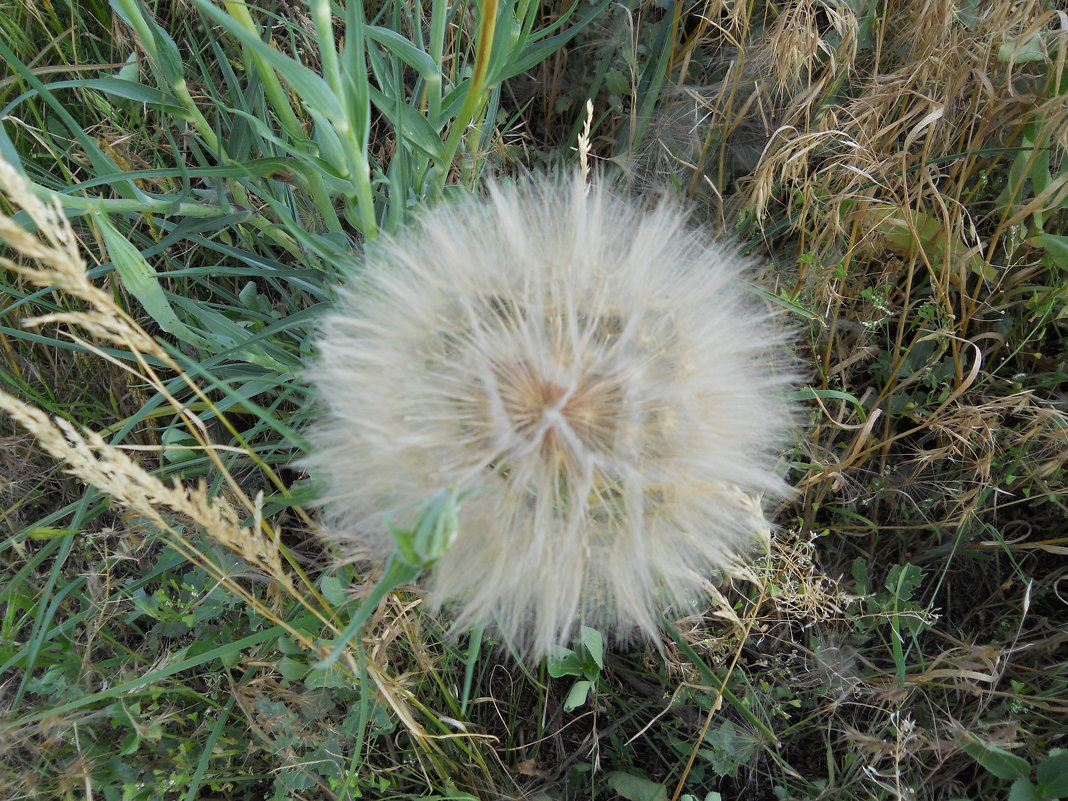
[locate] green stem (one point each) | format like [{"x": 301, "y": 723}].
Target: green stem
[
  {"x": 475, "y": 99},
  {"x": 439, "y": 10},
  {"x": 272, "y": 87},
  {"x": 176, "y": 82},
  {"x": 357, "y": 107}
]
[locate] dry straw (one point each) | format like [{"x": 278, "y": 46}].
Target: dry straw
[
  {"x": 592, "y": 369},
  {"x": 50, "y": 257}
]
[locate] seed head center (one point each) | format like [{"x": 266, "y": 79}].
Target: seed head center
[{"x": 586, "y": 409}]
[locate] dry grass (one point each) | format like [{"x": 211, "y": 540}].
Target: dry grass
[{"x": 87, "y": 455}]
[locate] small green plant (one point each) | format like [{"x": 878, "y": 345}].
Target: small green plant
[
  {"x": 1048, "y": 781},
  {"x": 585, "y": 662}
]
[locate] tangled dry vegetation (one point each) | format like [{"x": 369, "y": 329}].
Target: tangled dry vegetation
[{"x": 900, "y": 168}]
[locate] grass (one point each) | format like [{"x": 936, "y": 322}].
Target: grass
[{"x": 899, "y": 168}]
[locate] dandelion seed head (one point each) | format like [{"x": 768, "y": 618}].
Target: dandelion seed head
[{"x": 592, "y": 368}]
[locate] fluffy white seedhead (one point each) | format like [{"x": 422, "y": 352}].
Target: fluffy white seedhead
[{"x": 592, "y": 369}]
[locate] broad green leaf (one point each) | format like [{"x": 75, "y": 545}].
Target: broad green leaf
[
  {"x": 1052, "y": 775},
  {"x": 334, "y": 590},
  {"x": 911, "y": 232},
  {"x": 131, "y": 70},
  {"x": 996, "y": 760},
  {"x": 729, "y": 747},
  {"x": 580, "y": 691},
  {"x": 328, "y": 677},
  {"x": 292, "y": 669},
  {"x": 636, "y": 788},
  {"x": 903, "y": 580},
  {"x": 1034, "y": 49},
  {"x": 178, "y": 445},
  {"x": 141, "y": 280},
  {"x": 1023, "y": 790},
  {"x": 594, "y": 642},
  {"x": 564, "y": 662},
  {"x": 1056, "y": 247}
]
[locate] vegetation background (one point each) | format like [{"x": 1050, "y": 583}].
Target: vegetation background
[{"x": 900, "y": 168}]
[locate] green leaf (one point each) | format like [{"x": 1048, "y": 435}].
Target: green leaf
[
  {"x": 418, "y": 60},
  {"x": 131, "y": 69},
  {"x": 594, "y": 642},
  {"x": 1034, "y": 49},
  {"x": 786, "y": 303},
  {"x": 833, "y": 394},
  {"x": 117, "y": 87},
  {"x": 539, "y": 47},
  {"x": 161, "y": 48},
  {"x": 168, "y": 57},
  {"x": 636, "y": 788},
  {"x": 617, "y": 82},
  {"x": 1023, "y": 790},
  {"x": 577, "y": 697},
  {"x": 47, "y": 532},
  {"x": 859, "y": 570},
  {"x": 101, "y": 163},
  {"x": 996, "y": 760},
  {"x": 903, "y": 580},
  {"x": 1056, "y": 247},
  {"x": 1053, "y": 775},
  {"x": 229, "y": 651},
  {"x": 292, "y": 669},
  {"x": 138, "y": 92},
  {"x": 564, "y": 662},
  {"x": 178, "y": 445},
  {"x": 397, "y": 574},
  {"x": 729, "y": 747},
  {"x": 333, "y": 590},
  {"x": 328, "y": 677},
  {"x": 408, "y": 122},
  {"x": 141, "y": 280},
  {"x": 224, "y": 334},
  {"x": 911, "y": 232},
  {"x": 329, "y": 144}
]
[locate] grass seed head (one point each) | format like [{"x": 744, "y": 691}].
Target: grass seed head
[{"x": 592, "y": 368}]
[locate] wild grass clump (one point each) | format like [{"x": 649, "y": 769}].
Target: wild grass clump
[{"x": 179, "y": 631}]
